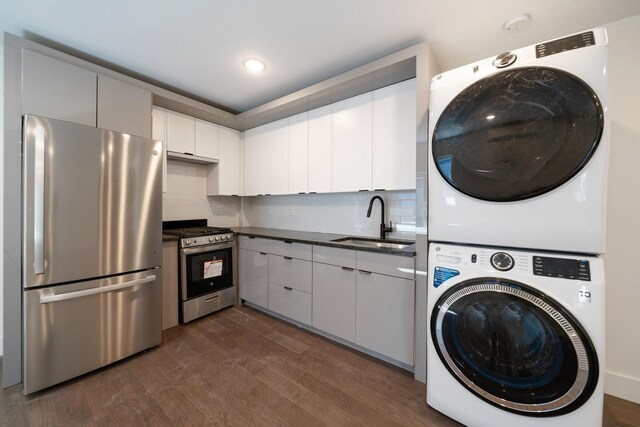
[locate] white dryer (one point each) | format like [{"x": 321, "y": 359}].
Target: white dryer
[
  {"x": 518, "y": 148},
  {"x": 516, "y": 338}
]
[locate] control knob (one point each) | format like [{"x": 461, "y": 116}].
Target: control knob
[
  {"x": 502, "y": 261},
  {"x": 504, "y": 59},
  {"x": 187, "y": 242},
  {"x": 217, "y": 238},
  {"x": 211, "y": 239}
]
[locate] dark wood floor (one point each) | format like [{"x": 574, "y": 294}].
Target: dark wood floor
[{"x": 240, "y": 367}]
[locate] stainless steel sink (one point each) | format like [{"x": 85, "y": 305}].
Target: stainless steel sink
[{"x": 374, "y": 243}]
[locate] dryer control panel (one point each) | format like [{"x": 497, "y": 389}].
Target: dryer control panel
[{"x": 561, "y": 268}]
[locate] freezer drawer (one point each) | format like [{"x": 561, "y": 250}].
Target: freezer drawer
[{"x": 73, "y": 329}]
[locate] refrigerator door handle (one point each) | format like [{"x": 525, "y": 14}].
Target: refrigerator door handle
[
  {"x": 78, "y": 294},
  {"x": 38, "y": 201}
]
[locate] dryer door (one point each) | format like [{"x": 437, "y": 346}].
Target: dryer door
[
  {"x": 514, "y": 347},
  {"x": 517, "y": 134}
]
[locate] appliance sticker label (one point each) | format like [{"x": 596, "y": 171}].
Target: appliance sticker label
[
  {"x": 442, "y": 274},
  {"x": 212, "y": 268}
]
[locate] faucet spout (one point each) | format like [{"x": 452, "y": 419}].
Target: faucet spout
[{"x": 383, "y": 228}]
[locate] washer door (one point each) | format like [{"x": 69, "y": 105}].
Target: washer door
[
  {"x": 517, "y": 134},
  {"x": 514, "y": 347}
]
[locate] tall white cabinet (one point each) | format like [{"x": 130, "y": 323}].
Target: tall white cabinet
[
  {"x": 123, "y": 107},
  {"x": 351, "y": 145},
  {"x": 394, "y": 136},
  {"x": 319, "y": 150}
]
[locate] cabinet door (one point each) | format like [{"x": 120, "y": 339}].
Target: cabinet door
[
  {"x": 277, "y": 158},
  {"x": 394, "y": 137},
  {"x": 170, "y": 299},
  {"x": 334, "y": 300},
  {"x": 384, "y": 315},
  {"x": 290, "y": 302},
  {"x": 352, "y": 144},
  {"x": 207, "y": 139},
  {"x": 181, "y": 133},
  {"x": 159, "y": 133},
  {"x": 298, "y": 152},
  {"x": 291, "y": 272},
  {"x": 254, "y": 277},
  {"x": 255, "y": 172},
  {"x": 319, "y": 150},
  {"x": 55, "y": 89},
  {"x": 123, "y": 107},
  {"x": 224, "y": 178}
]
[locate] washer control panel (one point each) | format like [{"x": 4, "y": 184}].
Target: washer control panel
[
  {"x": 566, "y": 43},
  {"x": 563, "y": 268}
]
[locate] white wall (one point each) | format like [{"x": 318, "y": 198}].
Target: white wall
[
  {"x": 186, "y": 197},
  {"x": 342, "y": 213},
  {"x": 623, "y": 222}
]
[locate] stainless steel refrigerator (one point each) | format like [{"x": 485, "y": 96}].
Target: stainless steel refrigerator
[{"x": 92, "y": 248}]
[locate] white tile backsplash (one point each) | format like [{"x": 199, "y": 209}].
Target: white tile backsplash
[
  {"x": 186, "y": 197},
  {"x": 342, "y": 213}
]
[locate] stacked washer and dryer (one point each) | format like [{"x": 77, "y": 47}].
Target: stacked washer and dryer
[{"x": 517, "y": 200}]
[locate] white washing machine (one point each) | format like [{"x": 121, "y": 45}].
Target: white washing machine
[
  {"x": 518, "y": 148},
  {"x": 516, "y": 338}
]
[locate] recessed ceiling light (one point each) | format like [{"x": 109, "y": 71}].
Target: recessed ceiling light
[{"x": 254, "y": 65}]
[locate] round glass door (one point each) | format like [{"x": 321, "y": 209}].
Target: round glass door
[
  {"x": 517, "y": 134},
  {"x": 514, "y": 347}
]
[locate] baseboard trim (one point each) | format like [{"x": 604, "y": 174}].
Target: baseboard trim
[{"x": 622, "y": 386}]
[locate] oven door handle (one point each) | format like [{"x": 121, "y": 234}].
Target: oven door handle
[{"x": 206, "y": 248}]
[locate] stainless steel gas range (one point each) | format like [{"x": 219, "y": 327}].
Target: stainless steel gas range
[{"x": 206, "y": 267}]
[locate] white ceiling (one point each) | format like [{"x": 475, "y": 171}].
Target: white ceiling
[{"x": 197, "y": 46}]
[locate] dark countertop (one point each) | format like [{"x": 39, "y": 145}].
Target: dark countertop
[
  {"x": 322, "y": 239},
  {"x": 168, "y": 237}
]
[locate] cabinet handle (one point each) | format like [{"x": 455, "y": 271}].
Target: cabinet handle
[
  {"x": 312, "y": 192},
  {"x": 288, "y": 241},
  {"x": 363, "y": 190},
  {"x": 347, "y": 268},
  {"x": 288, "y": 257},
  {"x": 301, "y": 192},
  {"x": 288, "y": 288},
  {"x": 263, "y": 253},
  {"x": 267, "y": 194},
  {"x": 251, "y": 237},
  {"x": 379, "y": 189},
  {"x": 364, "y": 272},
  {"x": 188, "y": 154}
]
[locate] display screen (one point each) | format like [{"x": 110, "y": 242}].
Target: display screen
[
  {"x": 577, "y": 269},
  {"x": 564, "y": 44}
]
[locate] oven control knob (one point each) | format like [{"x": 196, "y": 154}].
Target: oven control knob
[
  {"x": 187, "y": 242},
  {"x": 211, "y": 239}
]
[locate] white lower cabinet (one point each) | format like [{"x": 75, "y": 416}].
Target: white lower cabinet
[
  {"x": 334, "y": 300},
  {"x": 290, "y": 302},
  {"x": 384, "y": 315},
  {"x": 254, "y": 276},
  {"x": 290, "y": 287},
  {"x": 365, "y": 298}
]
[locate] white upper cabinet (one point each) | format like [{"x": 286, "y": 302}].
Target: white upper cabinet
[
  {"x": 319, "y": 150},
  {"x": 57, "y": 90},
  {"x": 224, "y": 177},
  {"x": 266, "y": 159},
  {"x": 394, "y": 137},
  {"x": 123, "y": 107},
  {"x": 352, "y": 144},
  {"x": 298, "y": 152},
  {"x": 181, "y": 133},
  {"x": 207, "y": 139}
]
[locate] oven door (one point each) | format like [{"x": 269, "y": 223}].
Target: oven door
[{"x": 205, "y": 269}]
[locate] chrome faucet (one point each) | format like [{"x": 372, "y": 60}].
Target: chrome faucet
[{"x": 383, "y": 228}]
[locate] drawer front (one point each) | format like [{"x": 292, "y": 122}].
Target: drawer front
[
  {"x": 391, "y": 265},
  {"x": 291, "y": 272},
  {"x": 290, "y": 249},
  {"x": 291, "y": 303},
  {"x": 334, "y": 256},
  {"x": 253, "y": 243}
]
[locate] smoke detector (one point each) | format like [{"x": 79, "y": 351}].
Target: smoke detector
[{"x": 517, "y": 23}]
